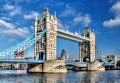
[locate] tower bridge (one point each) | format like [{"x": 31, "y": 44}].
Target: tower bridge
[{"x": 45, "y": 45}]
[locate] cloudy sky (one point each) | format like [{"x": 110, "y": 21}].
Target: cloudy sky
[{"x": 17, "y": 21}]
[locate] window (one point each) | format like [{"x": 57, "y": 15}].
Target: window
[
  {"x": 37, "y": 42},
  {"x": 44, "y": 19}
]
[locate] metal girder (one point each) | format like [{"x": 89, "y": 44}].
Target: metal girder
[
  {"x": 79, "y": 64},
  {"x": 20, "y": 61},
  {"x": 104, "y": 60},
  {"x": 70, "y": 36},
  {"x": 24, "y": 45}
]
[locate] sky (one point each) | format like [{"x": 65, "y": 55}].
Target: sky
[{"x": 17, "y": 22}]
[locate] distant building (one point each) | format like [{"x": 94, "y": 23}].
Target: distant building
[
  {"x": 111, "y": 59},
  {"x": 64, "y": 55},
  {"x": 19, "y": 55}
]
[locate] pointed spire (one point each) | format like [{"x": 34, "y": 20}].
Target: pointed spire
[
  {"x": 79, "y": 32},
  {"x": 93, "y": 30},
  {"x": 45, "y": 5},
  {"x": 46, "y": 11},
  {"x": 86, "y": 27},
  {"x": 45, "y": 8},
  {"x": 36, "y": 16},
  {"x": 55, "y": 15}
]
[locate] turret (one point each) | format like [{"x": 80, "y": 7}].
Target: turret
[
  {"x": 90, "y": 30},
  {"x": 35, "y": 24},
  {"x": 79, "y": 32},
  {"x": 46, "y": 13},
  {"x": 86, "y": 32},
  {"x": 55, "y": 16}
]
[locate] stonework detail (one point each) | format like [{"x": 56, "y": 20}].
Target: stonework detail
[
  {"x": 92, "y": 46},
  {"x": 54, "y": 66},
  {"x": 45, "y": 48},
  {"x": 87, "y": 48},
  {"x": 35, "y": 68},
  {"x": 97, "y": 66}
]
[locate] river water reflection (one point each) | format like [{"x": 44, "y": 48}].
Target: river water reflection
[{"x": 14, "y": 76}]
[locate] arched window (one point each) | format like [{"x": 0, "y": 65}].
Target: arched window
[{"x": 44, "y": 20}]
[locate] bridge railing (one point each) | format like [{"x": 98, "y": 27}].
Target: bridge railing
[
  {"x": 79, "y": 64},
  {"x": 9, "y": 53},
  {"x": 72, "y": 34}
]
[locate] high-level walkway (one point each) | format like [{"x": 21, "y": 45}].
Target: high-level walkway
[{"x": 65, "y": 34}]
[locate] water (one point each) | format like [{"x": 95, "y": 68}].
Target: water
[{"x": 15, "y": 76}]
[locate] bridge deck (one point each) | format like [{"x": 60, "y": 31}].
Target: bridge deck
[
  {"x": 20, "y": 61},
  {"x": 108, "y": 64},
  {"x": 79, "y": 64}
]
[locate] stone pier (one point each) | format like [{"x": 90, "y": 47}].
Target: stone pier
[
  {"x": 54, "y": 66},
  {"x": 51, "y": 66}
]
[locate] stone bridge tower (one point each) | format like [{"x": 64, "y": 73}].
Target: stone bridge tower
[
  {"x": 45, "y": 48},
  {"x": 87, "y": 48}
]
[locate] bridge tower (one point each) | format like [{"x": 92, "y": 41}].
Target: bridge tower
[
  {"x": 45, "y": 48},
  {"x": 92, "y": 46},
  {"x": 86, "y": 48}
]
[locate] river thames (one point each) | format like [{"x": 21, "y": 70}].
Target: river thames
[{"x": 18, "y": 76}]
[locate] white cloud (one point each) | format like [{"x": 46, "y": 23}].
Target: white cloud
[
  {"x": 11, "y": 40},
  {"x": 32, "y": 28},
  {"x": 20, "y": 32},
  {"x": 97, "y": 32},
  {"x": 82, "y": 19},
  {"x": 6, "y": 25},
  {"x": 116, "y": 21},
  {"x": 60, "y": 25},
  {"x": 31, "y": 15},
  {"x": 12, "y": 9},
  {"x": 55, "y": 3},
  {"x": 10, "y": 30},
  {"x": 68, "y": 11},
  {"x": 8, "y": 7},
  {"x": 77, "y": 17},
  {"x": 115, "y": 8},
  {"x": 5, "y": 18},
  {"x": 17, "y": 23},
  {"x": 19, "y": 1},
  {"x": 112, "y": 22},
  {"x": 17, "y": 10}
]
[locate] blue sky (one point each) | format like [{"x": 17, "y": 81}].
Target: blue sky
[{"x": 17, "y": 21}]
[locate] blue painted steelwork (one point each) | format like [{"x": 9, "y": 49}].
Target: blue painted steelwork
[
  {"x": 19, "y": 61},
  {"x": 23, "y": 45},
  {"x": 80, "y": 64},
  {"x": 104, "y": 60},
  {"x": 108, "y": 64}
]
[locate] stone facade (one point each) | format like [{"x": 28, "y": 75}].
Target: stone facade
[
  {"x": 35, "y": 68},
  {"x": 92, "y": 46},
  {"x": 95, "y": 66},
  {"x": 57, "y": 66},
  {"x": 86, "y": 48},
  {"x": 46, "y": 46}
]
